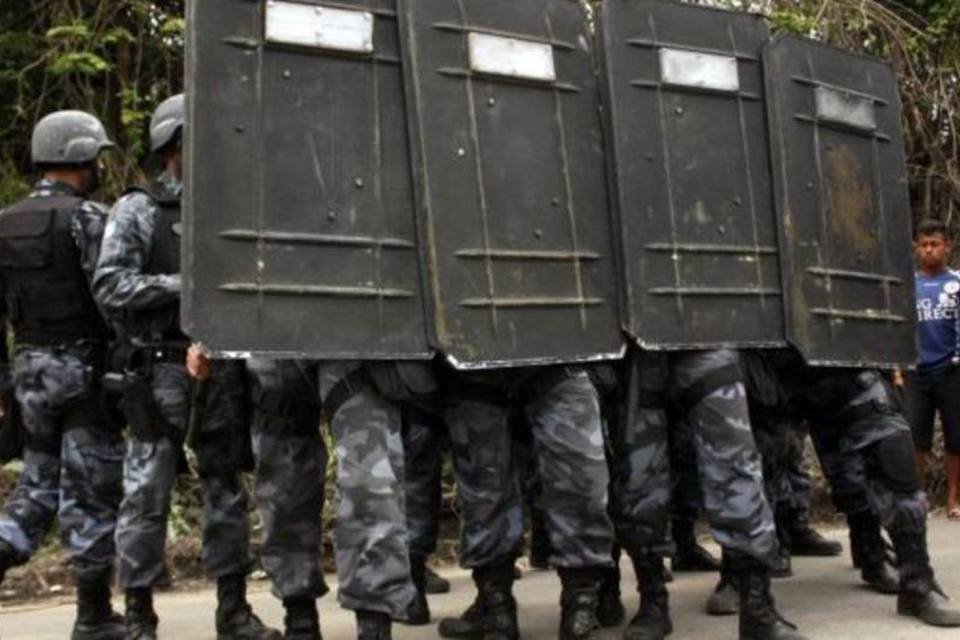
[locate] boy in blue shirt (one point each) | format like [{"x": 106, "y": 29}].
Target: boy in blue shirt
[{"x": 935, "y": 385}]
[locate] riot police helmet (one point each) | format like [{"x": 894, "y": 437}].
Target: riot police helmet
[
  {"x": 68, "y": 138},
  {"x": 167, "y": 122}
]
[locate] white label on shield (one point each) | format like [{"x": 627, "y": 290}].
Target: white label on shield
[
  {"x": 697, "y": 69},
  {"x": 319, "y": 26},
  {"x": 512, "y": 57},
  {"x": 845, "y": 108}
]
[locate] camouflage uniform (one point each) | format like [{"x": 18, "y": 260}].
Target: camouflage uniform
[
  {"x": 863, "y": 409},
  {"x": 124, "y": 288},
  {"x": 291, "y": 467},
  {"x": 423, "y": 445},
  {"x": 364, "y": 403},
  {"x": 563, "y": 413},
  {"x": 73, "y": 455},
  {"x": 729, "y": 464}
]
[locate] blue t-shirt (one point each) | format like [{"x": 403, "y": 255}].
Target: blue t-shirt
[{"x": 937, "y": 298}]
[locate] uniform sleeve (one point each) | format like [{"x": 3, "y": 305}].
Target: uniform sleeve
[
  {"x": 120, "y": 283},
  {"x": 88, "y": 225}
]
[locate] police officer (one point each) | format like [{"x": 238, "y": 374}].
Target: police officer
[
  {"x": 49, "y": 243},
  {"x": 709, "y": 385},
  {"x": 561, "y": 406},
  {"x": 137, "y": 283},
  {"x": 862, "y": 406},
  {"x": 291, "y": 467},
  {"x": 364, "y": 402}
]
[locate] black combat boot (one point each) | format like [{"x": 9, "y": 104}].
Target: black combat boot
[
  {"x": 468, "y": 625},
  {"x": 540, "y": 547},
  {"x": 871, "y": 552},
  {"x": 9, "y": 558},
  {"x": 374, "y": 625},
  {"x": 920, "y": 596},
  {"x": 235, "y": 618},
  {"x": 689, "y": 555},
  {"x": 652, "y": 621},
  {"x": 435, "y": 584},
  {"x": 759, "y": 618},
  {"x": 782, "y": 566},
  {"x": 493, "y": 615},
  {"x": 725, "y": 599},
  {"x": 807, "y": 541},
  {"x": 418, "y": 613},
  {"x": 301, "y": 621},
  {"x": 139, "y": 617},
  {"x": 578, "y": 602},
  {"x": 610, "y": 611},
  {"x": 96, "y": 619}
]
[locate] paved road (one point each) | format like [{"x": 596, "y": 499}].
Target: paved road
[{"x": 824, "y": 598}]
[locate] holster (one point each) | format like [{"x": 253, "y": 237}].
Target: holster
[
  {"x": 144, "y": 419},
  {"x": 220, "y": 419}
]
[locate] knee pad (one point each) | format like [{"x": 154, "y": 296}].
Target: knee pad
[{"x": 893, "y": 458}]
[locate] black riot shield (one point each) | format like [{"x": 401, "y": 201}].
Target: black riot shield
[
  {"x": 512, "y": 205},
  {"x": 687, "y": 133},
  {"x": 300, "y": 236},
  {"x": 842, "y": 204}
]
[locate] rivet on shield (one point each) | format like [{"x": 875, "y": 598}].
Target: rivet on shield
[
  {"x": 722, "y": 230},
  {"x": 461, "y": 152},
  {"x": 555, "y": 202},
  {"x": 537, "y": 233},
  {"x": 359, "y": 183},
  {"x": 679, "y": 111},
  {"x": 239, "y": 128},
  {"x": 287, "y": 74},
  {"x": 332, "y": 215},
  {"x": 737, "y": 201},
  {"x": 491, "y": 102}
]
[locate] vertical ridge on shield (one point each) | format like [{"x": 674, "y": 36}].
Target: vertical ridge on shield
[
  {"x": 303, "y": 238},
  {"x": 686, "y": 131},
  {"x": 840, "y": 180},
  {"x": 512, "y": 201}
]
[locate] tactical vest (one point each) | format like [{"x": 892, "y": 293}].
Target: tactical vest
[
  {"x": 161, "y": 324},
  {"x": 47, "y": 294}
]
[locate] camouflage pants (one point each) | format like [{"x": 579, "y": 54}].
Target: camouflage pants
[
  {"x": 685, "y": 495},
  {"x": 72, "y": 463},
  {"x": 568, "y": 444},
  {"x": 370, "y": 539},
  {"x": 423, "y": 444},
  {"x": 844, "y": 471},
  {"x": 291, "y": 467},
  {"x": 149, "y": 471},
  {"x": 871, "y": 431},
  {"x": 780, "y": 440},
  {"x": 729, "y": 465}
]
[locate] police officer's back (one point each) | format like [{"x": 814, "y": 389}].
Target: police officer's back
[{"x": 49, "y": 243}]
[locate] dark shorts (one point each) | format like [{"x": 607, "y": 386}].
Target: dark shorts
[{"x": 928, "y": 394}]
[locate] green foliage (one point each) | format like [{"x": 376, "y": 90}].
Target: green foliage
[
  {"x": 75, "y": 31},
  {"x": 117, "y": 60},
  {"x": 82, "y": 62},
  {"x": 792, "y": 22}
]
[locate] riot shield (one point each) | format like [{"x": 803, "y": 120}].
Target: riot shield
[
  {"x": 512, "y": 203},
  {"x": 842, "y": 204},
  {"x": 300, "y": 236},
  {"x": 687, "y": 136}
]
